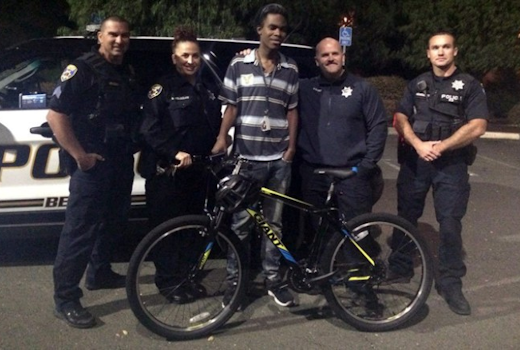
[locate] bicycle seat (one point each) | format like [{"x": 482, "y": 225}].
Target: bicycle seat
[{"x": 338, "y": 173}]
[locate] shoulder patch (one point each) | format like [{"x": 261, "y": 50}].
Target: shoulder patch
[
  {"x": 69, "y": 72},
  {"x": 155, "y": 91}
]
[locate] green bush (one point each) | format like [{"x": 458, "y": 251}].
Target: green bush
[
  {"x": 503, "y": 95},
  {"x": 391, "y": 89},
  {"x": 504, "y": 102},
  {"x": 513, "y": 115}
]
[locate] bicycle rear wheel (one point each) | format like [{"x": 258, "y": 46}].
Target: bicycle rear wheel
[
  {"x": 383, "y": 294},
  {"x": 177, "y": 275}
]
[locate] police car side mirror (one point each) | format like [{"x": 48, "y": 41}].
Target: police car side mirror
[{"x": 44, "y": 130}]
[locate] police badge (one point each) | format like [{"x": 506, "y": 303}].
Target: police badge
[
  {"x": 69, "y": 72},
  {"x": 155, "y": 91}
]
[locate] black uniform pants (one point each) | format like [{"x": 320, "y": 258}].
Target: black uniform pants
[
  {"x": 168, "y": 197},
  {"x": 449, "y": 179},
  {"x": 353, "y": 196},
  {"x": 97, "y": 210}
]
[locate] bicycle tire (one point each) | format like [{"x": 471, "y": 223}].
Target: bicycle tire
[
  {"x": 387, "y": 299},
  {"x": 154, "y": 308}
]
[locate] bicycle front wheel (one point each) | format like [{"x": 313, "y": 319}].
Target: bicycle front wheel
[
  {"x": 177, "y": 278},
  {"x": 384, "y": 287}
]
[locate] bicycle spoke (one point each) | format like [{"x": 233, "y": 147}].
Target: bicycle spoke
[
  {"x": 385, "y": 295},
  {"x": 171, "y": 290}
]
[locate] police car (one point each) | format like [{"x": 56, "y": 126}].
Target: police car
[{"x": 33, "y": 191}]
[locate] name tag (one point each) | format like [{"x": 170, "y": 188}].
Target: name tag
[{"x": 450, "y": 98}]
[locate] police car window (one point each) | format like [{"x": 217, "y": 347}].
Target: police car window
[
  {"x": 149, "y": 65},
  {"x": 210, "y": 69},
  {"x": 29, "y": 84}
]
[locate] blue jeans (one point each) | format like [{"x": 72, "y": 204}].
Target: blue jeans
[{"x": 275, "y": 175}]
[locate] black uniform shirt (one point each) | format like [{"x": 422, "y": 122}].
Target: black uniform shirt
[
  {"x": 471, "y": 92},
  {"x": 180, "y": 117},
  {"x": 342, "y": 123},
  {"x": 90, "y": 106}
]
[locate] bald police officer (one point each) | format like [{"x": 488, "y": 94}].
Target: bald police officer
[{"x": 343, "y": 123}]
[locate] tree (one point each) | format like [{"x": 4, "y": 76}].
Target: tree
[
  {"x": 210, "y": 18},
  {"x": 374, "y": 37},
  {"x": 389, "y": 37},
  {"x": 24, "y": 20},
  {"x": 309, "y": 22},
  {"x": 374, "y": 30},
  {"x": 487, "y": 32}
]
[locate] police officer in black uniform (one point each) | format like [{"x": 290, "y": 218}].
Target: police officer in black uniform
[
  {"x": 92, "y": 113},
  {"x": 342, "y": 124},
  {"x": 182, "y": 120},
  {"x": 441, "y": 113}
]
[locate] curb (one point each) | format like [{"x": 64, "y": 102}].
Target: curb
[
  {"x": 501, "y": 135},
  {"x": 488, "y": 135}
]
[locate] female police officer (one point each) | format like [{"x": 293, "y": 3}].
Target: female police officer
[{"x": 182, "y": 119}]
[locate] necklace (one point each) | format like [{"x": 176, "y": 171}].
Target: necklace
[{"x": 266, "y": 125}]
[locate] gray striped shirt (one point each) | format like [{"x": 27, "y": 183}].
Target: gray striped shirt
[{"x": 256, "y": 96}]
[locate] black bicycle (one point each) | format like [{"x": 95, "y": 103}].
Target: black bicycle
[{"x": 374, "y": 270}]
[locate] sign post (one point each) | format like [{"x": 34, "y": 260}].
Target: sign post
[{"x": 345, "y": 31}]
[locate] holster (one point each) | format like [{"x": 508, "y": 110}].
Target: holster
[
  {"x": 67, "y": 164},
  {"x": 470, "y": 154},
  {"x": 164, "y": 169},
  {"x": 403, "y": 150}
]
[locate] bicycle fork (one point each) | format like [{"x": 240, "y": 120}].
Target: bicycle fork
[{"x": 214, "y": 224}]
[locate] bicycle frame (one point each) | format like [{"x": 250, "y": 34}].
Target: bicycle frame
[
  {"x": 324, "y": 214},
  {"x": 376, "y": 283}
]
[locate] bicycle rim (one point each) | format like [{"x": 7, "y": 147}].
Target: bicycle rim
[
  {"x": 167, "y": 263},
  {"x": 387, "y": 293}
]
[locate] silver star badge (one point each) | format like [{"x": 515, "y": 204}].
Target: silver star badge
[
  {"x": 346, "y": 91},
  {"x": 457, "y": 85}
]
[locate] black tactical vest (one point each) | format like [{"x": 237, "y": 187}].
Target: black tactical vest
[
  {"x": 116, "y": 110},
  {"x": 439, "y": 105},
  {"x": 108, "y": 124}
]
